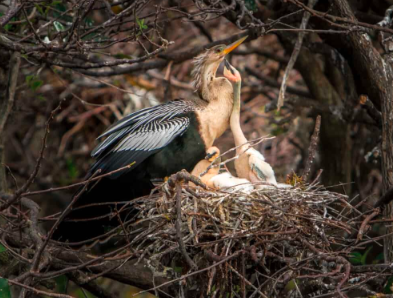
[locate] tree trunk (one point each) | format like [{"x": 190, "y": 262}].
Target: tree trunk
[
  {"x": 387, "y": 162},
  {"x": 379, "y": 75},
  {"x": 335, "y": 131},
  {"x": 8, "y": 80}
]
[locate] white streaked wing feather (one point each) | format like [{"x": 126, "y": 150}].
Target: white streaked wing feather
[
  {"x": 145, "y": 120},
  {"x": 261, "y": 168},
  {"x": 108, "y": 141},
  {"x": 147, "y": 115},
  {"x": 154, "y": 139}
]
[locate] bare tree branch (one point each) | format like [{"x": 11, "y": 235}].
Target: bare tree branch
[{"x": 295, "y": 53}]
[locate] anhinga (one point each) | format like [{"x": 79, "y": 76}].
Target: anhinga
[
  {"x": 212, "y": 155},
  {"x": 158, "y": 141},
  {"x": 226, "y": 181},
  {"x": 213, "y": 179},
  {"x": 250, "y": 164}
]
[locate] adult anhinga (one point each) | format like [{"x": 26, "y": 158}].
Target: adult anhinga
[
  {"x": 251, "y": 164},
  {"x": 158, "y": 141}
]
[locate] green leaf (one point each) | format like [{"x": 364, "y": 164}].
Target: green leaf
[
  {"x": 61, "y": 284},
  {"x": 59, "y": 6},
  {"x": 33, "y": 82},
  {"x": 41, "y": 98},
  {"x": 36, "y": 84},
  {"x": 4, "y": 256},
  {"x": 355, "y": 258},
  {"x": 39, "y": 8},
  {"x": 141, "y": 24},
  {"x": 2, "y": 248},
  {"x": 388, "y": 288},
  {"x": 4, "y": 289},
  {"x": 29, "y": 78},
  {"x": 58, "y": 26},
  {"x": 72, "y": 169},
  {"x": 379, "y": 258},
  {"x": 79, "y": 293},
  {"x": 251, "y": 5},
  {"x": 8, "y": 26},
  {"x": 89, "y": 22},
  {"x": 122, "y": 56},
  {"x": 277, "y": 130},
  {"x": 365, "y": 255},
  {"x": 178, "y": 269}
]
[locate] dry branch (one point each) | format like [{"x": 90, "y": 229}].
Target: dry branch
[
  {"x": 33, "y": 175},
  {"x": 276, "y": 230},
  {"x": 295, "y": 54},
  {"x": 312, "y": 148}
]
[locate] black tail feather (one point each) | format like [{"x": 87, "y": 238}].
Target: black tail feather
[{"x": 77, "y": 228}]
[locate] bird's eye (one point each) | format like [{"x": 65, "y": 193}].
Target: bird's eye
[{"x": 218, "y": 50}]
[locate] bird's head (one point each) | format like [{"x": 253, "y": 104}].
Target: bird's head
[
  {"x": 207, "y": 63},
  {"x": 212, "y": 153},
  {"x": 231, "y": 73},
  {"x": 217, "y": 53}
]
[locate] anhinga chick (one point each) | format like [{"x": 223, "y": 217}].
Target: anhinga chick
[
  {"x": 213, "y": 179},
  {"x": 250, "y": 164},
  {"x": 212, "y": 155}
]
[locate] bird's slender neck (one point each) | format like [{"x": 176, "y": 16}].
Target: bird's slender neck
[
  {"x": 235, "y": 117},
  {"x": 207, "y": 76}
]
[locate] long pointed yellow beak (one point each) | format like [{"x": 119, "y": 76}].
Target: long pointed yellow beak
[{"x": 234, "y": 45}]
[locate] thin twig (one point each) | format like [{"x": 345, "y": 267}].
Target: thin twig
[
  {"x": 41, "y": 249},
  {"x": 364, "y": 224},
  {"x": 295, "y": 54},
  {"x": 192, "y": 274},
  {"x": 247, "y": 282},
  {"x": 38, "y": 192},
  {"x": 11, "y": 88},
  {"x": 37, "y": 291},
  {"x": 25, "y": 186}
]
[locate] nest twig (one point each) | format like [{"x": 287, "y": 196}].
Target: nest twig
[
  {"x": 252, "y": 244},
  {"x": 301, "y": 232}
]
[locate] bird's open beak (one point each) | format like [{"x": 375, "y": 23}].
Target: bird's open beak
[
  {"x": 233, "y": 46},
  {"x": 210, "y": 156},
  {"x": 229, "y": 66}
]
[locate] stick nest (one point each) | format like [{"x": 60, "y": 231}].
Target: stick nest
[{"x": 260, "y": 240}]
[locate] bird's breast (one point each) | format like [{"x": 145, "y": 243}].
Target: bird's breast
[{"x": 242, "y": 166}]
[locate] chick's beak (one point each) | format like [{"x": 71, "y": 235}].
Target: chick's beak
[
  {"x": 233, "y": 46},
  {"x": 210, "y": 156},
  {"x": 229, "y": 66}
]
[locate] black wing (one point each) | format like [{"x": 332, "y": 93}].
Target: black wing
[{"x": 141, "y": 134}]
